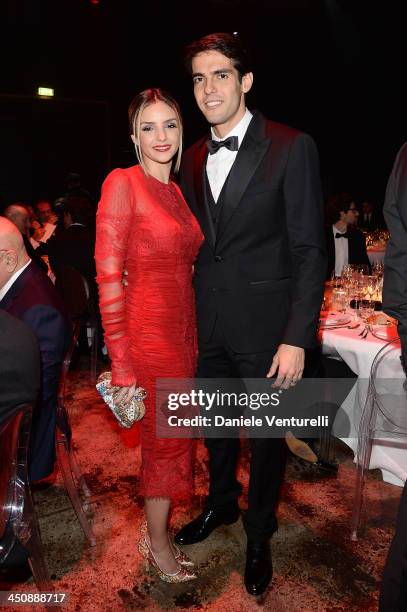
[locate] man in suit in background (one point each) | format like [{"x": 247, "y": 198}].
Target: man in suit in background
[
  {"x": 370, "y": 218},
  {"x": 345, "y": 243},
  {"x": 393, "y": 596},
  {"x": 27, "y": 293},
  {"x": 19, "y": 365},
  {"x": 20, "y": 216},
  {"x": 255, "y": 189},
  {"x": 75, "y": 245}
]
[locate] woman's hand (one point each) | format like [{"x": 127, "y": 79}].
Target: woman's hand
[{"x": 125, "y": 394}]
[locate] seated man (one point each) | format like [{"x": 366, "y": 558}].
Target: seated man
[
  {"x": 20, "y": 216},
  {"x": 20, "y": 365},
  {"x": 27, "y": 293},
  {"x": 345, "y": 243},
  {"x": 48, "y": 220},
  {"x": 19, "y": 384}
]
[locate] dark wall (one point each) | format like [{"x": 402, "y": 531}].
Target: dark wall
[
  {"x": 43, "y": 140},
  {"x": 334, "y": 68}
]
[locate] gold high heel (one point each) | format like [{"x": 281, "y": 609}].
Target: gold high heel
[
  {"x": 182, "y": 575},
  {"x": 179, "y": 555}
]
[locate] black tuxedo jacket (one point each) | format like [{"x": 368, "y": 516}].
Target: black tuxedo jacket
[
  {"x": 262, "y": 270},
  {"x": 395, "y": 262},
  {"x": 74, "y": 246},
  {"x": 376, "y": 221},
  {"x": 356, "y": 245},
  {"x": 19, "y": 365},
  {"x": 33, "y": 299}
]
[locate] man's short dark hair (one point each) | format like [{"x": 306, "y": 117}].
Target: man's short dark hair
[
  {"x": 229, "y": 45},
  {"x": 335, "y": 205},
  {"x": 80, "y": 209}
]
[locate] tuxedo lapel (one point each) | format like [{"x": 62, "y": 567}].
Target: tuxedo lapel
[
  {"x": 353, "y": 251},
  {"x": 203, "y": 211},
  {"x": 250, "y": 154}
]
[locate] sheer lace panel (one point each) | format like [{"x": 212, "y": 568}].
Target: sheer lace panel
[{"x": 113, "y": 226}]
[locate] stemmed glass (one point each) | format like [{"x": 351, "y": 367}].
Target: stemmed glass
[
  {"x": 362, "y": 269},
  {"x": 366, "y": 309},
  {"x": 377, "y": 269}
]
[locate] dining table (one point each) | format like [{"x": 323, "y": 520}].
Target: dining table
[{"x": 358, "y": 353}]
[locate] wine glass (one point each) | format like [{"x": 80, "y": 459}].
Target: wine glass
[
  {"x": 366, "y": 309},
  {"x": 377, "y": 268},
  {"x": 362, "y": 269},
  {"x": 336, "y": 281},
  {"x": 370, "y": 283}
]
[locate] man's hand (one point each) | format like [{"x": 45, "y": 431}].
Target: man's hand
[
  {"x": 289, "y": 361},
  {"x": 39, "y": 231}
]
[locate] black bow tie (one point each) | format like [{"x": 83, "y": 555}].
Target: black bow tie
[
  {"x": 345, "y": 235},
  {"x": 231, "y": 143}
]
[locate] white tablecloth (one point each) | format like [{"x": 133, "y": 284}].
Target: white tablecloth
[
  {"x": 358, "y": 354},
  {"x": 376, "y": 255}
]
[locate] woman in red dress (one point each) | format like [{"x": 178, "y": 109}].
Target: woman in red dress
[{"x": 145, "y": 226}]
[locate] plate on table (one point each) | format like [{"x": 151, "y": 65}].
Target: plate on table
[
  {"x": 384, "y": 327},
  {"x": 332, "y": 318}
]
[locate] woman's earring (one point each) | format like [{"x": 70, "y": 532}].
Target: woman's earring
[{"x": 136, "y": 144}]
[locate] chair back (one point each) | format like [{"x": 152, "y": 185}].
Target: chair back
[
  {"x": 388, "y": 390},
  {"x": 14, "y": 438}
]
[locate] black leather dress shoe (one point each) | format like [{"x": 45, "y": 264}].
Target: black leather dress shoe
[
  {"x": 259, "y": 568},
  {"x": 199, "y": 529}
]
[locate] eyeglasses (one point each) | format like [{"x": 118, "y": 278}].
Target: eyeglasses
[{"x": 353, "y": 209}]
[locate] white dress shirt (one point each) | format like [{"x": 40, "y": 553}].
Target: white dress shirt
[
  {"x": 12, "y": 280},
  {"x": 341, "y": 251},
  {"x": 219, "y": 164}
]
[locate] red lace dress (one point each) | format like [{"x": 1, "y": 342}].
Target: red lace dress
[{"x": 145, "y": 226}]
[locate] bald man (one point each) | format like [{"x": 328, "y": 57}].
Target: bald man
[
  {"x": 19, "y": 215},
  {"x": 28, "y": 294}
]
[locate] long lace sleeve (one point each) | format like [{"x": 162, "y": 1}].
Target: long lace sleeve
[{"x": 113, "y": 225}]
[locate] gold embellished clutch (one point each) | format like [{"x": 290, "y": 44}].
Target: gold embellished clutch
[{"x": 127, "y": 413}]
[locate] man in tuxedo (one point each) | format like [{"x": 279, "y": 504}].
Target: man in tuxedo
[
  {"x": 393, "y": 596},
  {"x": 255, "y": 189},
  {"x": 20, "y": 365},
  {"x": 27, "y": 293},
  {"x": 75, "y": 245},
  {"x": 345, "y": 243}
]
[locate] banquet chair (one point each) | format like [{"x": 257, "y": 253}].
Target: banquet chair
[
  {"x": 74, "y": 482},
  {"x": 384, "y": 418},
  {"x": 18, "y": 520},
  {"x": 81, "y": 303}
]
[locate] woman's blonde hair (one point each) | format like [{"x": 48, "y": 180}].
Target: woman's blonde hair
[{"x": 136, "y": 108}]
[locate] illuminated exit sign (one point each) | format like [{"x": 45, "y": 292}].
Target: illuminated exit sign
[{"x": 45, "y": 91}]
